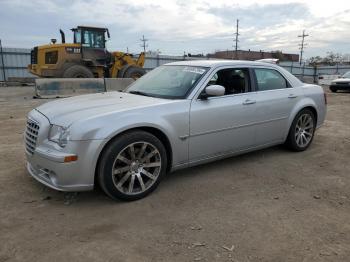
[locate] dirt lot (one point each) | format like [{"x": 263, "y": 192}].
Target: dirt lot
[{"x": 271, "y": 205}]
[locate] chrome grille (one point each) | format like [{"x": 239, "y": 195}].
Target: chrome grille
[{"x": 31, "y": 135}]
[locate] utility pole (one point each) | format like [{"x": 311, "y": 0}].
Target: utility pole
[
  {"x": 144, "y": 45},
  {"x": 236, "y": 40},
  {"x": 302, "y": 45}
]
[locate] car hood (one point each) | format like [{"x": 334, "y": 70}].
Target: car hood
[
  {"x": 65, "y": 111},
  {"x": 341, "y": 80}
]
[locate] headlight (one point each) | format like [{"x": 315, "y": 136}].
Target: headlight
[{"x": 59, "y": 135}]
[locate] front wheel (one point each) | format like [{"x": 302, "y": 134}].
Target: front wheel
[
  {"x": 132, "y": 166},
  {"x": 302, "y": 130},
  {"x": 333, "y": 89}
]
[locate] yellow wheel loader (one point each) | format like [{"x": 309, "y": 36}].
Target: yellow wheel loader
[{"x": 86, "y": 57}]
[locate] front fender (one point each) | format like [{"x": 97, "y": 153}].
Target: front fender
[{"x": 172, "y": 121}]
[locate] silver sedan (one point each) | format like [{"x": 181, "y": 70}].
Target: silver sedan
[
  {"x": 342, "y": 83},
  {"x": 178, "y": 115}
]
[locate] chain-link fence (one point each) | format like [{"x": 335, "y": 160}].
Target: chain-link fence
[{"x": 14, "y": 61}]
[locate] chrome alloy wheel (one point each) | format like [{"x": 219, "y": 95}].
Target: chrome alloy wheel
[
  {"x": 136, "y": 168},
  {"x": 304, "y": 130}
]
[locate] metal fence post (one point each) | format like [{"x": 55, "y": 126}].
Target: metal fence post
[
  {"x": 2, "y": 62},
  {"x": 315, "y": 74},
  {"x": 302, "y": 76}
]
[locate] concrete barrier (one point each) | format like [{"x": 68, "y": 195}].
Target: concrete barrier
[
  {"x": 117, "y": 84},
  {"x": 64, "y": 87}
]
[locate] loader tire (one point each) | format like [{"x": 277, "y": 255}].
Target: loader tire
[
  {"x": 77, "y": 71},
  {"x": 134, "y": 72}
]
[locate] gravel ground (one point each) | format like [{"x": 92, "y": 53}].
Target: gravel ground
[{"x": 270, "y": 205}]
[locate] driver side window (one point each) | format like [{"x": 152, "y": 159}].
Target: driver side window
[{"x": 234, "y": 80}]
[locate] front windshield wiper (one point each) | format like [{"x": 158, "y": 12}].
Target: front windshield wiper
[{"x": 139, "y": 93}]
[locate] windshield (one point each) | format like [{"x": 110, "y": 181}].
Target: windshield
[
  {"x": 346, "y": 75},
  {"x": 168, "y": 81},
  {"x": 94, "y": 39}
]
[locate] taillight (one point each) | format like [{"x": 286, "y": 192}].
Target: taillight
[{"x": 325, "y": 97}]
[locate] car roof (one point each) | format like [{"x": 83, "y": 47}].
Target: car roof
[
  {"x": 215, "y": 63},
  {"x": 219, "y": 63}
]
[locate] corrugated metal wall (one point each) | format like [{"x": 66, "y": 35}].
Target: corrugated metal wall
[
  {"x": 15, "y": 63},
  {"x": 17, "y": 59},
  {"x": 153, "y": 61}
]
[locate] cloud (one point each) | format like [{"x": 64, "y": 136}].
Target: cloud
[
  {"x": 261, "y": 16},
  {"x": 174, "y": 26}
]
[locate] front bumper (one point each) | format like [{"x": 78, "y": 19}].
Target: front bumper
[
  {"x": 50, "y": 170},
  {"x": 46, "y": 162},
  {"x": 345, "y": 86}
]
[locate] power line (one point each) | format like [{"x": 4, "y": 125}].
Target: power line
[
  {"x": 302, "y": 45},
  {"x": 144, "y": 41},
  {"x": 236, "y": 40}
]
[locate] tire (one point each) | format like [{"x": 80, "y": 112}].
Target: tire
[
  {"x": 134, "y": 72},
  {"x": 130, "y": 174},
  {"x": 122, "y": 71},
  {"x": 302, "y": 130},
  {"x": 333, "y": 89},
  {"x": 77, "y": 71}
]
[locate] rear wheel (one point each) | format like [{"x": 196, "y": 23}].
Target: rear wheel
[
  {"x": 134, "y": 72},
  {"x": 78, "y": 71},
  {"x": 302, "y": 130},
  {"x": 132, "y": 166}
]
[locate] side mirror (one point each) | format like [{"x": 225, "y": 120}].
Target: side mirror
[{"x": 213, "y": 90}]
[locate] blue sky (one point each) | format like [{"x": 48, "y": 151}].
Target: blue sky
[{"x": 182, "y": 25}]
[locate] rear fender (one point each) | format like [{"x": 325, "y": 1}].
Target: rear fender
[{"x": 301, "y": 104}]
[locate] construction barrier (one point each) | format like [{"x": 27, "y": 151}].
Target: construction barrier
[
  {"x": 64, "y": 87},
  {"x": 117, "y": 84}
]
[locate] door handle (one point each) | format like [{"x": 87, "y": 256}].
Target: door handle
[
  {"x": 249, "y": 102},
  {"x": 292, "y": 96}
]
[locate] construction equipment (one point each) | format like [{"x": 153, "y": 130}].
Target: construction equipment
[{"x": 86, "y": 57}]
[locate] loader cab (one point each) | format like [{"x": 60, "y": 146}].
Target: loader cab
[
  {"x": 93, "y": 44},
  {"x": 90, "y": 37}
]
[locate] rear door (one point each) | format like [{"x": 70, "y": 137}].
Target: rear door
[{"x": 275, "y": 99}]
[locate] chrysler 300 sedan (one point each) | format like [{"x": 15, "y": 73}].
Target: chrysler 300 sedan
[{"x": 178, "y": 115}]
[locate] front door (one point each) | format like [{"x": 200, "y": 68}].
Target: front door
[
  {"x": 224, "y": 124},
  {"x": 93, "y": 47}
]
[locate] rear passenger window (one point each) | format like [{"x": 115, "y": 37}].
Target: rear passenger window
[{"x": 269, "y": 79}]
